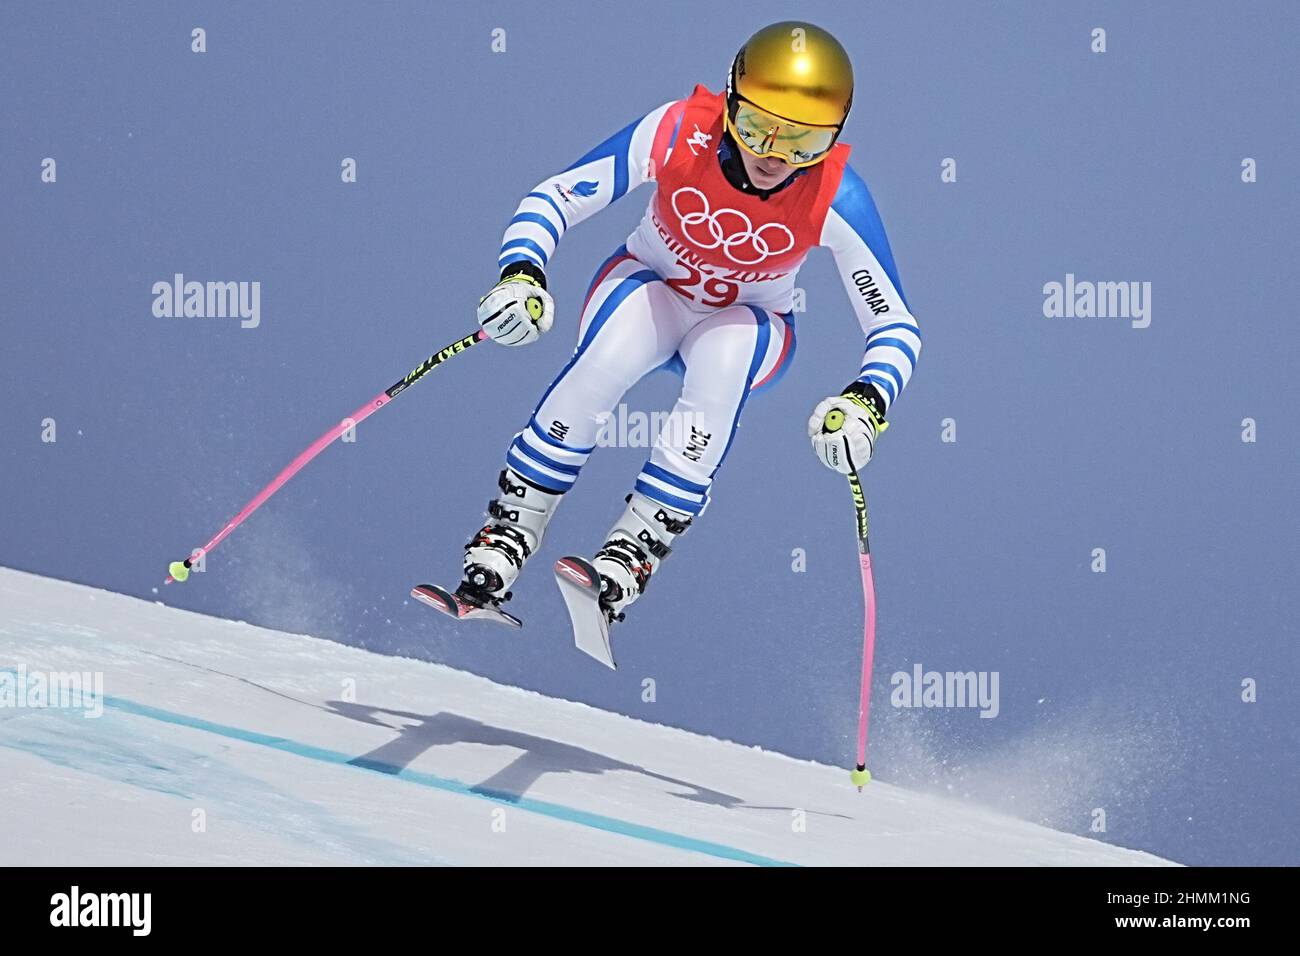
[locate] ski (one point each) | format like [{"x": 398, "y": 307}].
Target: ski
[
  {"x": 454, "y": 605},
  {"x": 580, "y": 586}
]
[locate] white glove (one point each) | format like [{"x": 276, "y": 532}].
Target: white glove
[
  {"x": 517, "y": 311},
  {"x": 847, "y": 441}
]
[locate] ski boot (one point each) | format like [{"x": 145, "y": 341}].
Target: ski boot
[
  {"x": 496, "y": 554},
  {"x": 636, "y": 546},
  {"x": 598, "y": 592}
]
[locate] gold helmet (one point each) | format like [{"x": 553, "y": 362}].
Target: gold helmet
[{"x": 789, "y": 92}]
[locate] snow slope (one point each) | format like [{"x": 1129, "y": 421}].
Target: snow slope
[{"x": 223, "y": 743}]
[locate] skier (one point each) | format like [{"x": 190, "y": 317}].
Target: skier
[{"x": 747, "y": 182}]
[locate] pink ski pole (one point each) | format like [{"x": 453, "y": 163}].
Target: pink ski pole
[
  {"x": 860, "y": 775},
  {"x": 180, "y": 570}
]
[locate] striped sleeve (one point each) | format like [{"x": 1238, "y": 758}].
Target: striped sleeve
[
  {"x": 618, "y": 165},
  {"x": 856, "y": 237}
]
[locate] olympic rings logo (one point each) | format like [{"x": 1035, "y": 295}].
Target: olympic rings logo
[{"x": 743, "y": 231}]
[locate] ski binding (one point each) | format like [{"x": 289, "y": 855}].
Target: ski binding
[{"x": 457, "y": 605}]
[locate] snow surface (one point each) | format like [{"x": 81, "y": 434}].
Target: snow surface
[{"x": 224, "y": 743}]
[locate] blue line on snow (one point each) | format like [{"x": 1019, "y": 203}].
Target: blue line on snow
[{"x": 554, "y": 810}]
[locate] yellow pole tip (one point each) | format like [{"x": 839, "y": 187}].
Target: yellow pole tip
[
  {"x": 178, "y": 570},
  {"x": 860, "y": 778}
]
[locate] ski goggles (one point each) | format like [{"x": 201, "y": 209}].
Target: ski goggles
[{"x": 766, "y": 134}]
